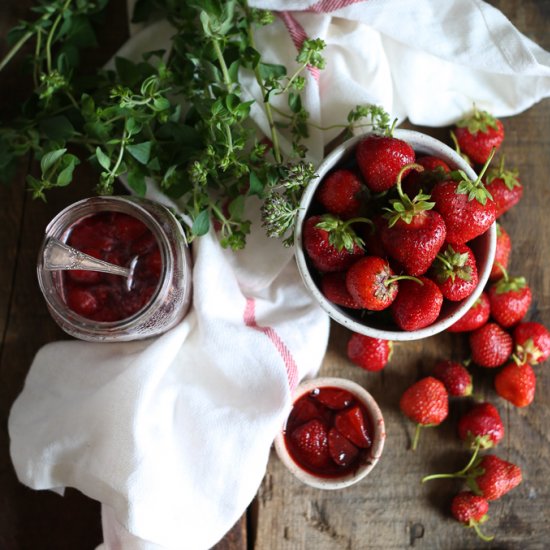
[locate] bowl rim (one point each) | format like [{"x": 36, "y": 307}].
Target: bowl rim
[
  {"x": 377, "y": 447},
  {"x": 419, "y": 142}
]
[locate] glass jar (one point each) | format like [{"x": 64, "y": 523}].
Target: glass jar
[{"x": 108, "y": 225}]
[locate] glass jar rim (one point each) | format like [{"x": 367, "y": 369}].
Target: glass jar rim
[{"x": 70, "y": 215}]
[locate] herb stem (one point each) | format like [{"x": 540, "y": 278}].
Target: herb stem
[
  {"x": 293, "y": 78},
  {"x": 223, "y": 65},
  {"x": 120, "y": 153},
  {"x": 267, "y": 105},
  {"x": 36, "y": 68},
  {"x": 51, "y": 35},
  {"x": 16, "y": 47}
]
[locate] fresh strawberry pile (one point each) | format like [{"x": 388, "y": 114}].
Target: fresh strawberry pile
[
  {"x": 388, "y": 236},
  {"x": 499, "y": 338}
]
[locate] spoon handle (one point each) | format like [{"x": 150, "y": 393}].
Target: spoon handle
[{"x": 61, "y": 256}]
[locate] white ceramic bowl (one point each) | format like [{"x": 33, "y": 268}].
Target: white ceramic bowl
[
  {"x": 375, "y": 451},
  {"x": 483, "y": 246}
]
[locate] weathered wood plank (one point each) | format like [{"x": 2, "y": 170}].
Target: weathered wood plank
[{"x": 390, "y": 508}]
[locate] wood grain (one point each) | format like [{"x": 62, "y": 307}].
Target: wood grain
[{"x": 390, "y": 508}]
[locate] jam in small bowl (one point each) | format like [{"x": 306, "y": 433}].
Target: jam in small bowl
[{"x": 334, "y": 434}]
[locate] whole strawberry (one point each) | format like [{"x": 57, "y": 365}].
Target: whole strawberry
[
  {"x": 481, "y": 426},
  {"x": 372, "y": 283},
  {"x": 504, "y": 186},
  {"x": 333, "y": 287},
  {"x": 475, "y": 317},
  {"x": 371, "y": 354},
  {"x": 434, "y": 172},
  {"x": 426, "y": 403},
  {"x": 416, "y": 305},
  {"x": 492, "y": 477},
  {"x": 490, "y": 345},
  {"x": 516, "y": 383},
  {"x": 502, "y": 253},
  {"x": 414, "y": 232},
  {"x": 510, "y": 299},
  {"x": 380, "y": 159},
  {"x": 488, "y": 476},
  {"x": 466, "y": 206},
  {"x": 311, "y": 441},
  {"x": 330, "y": 243},
  {"x": 471, "y": 510},
  {"x": 532, "y": 342},
  {"x": 455, "y": 377},
  {"x": 455, "y": 272},
  {"x": 340, "y": 193},
  {"x": 477, "y": 134}
]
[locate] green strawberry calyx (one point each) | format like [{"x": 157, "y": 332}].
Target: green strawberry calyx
[
  {"x": 404, "y": 208},
  {"x": 478, "y": 121},
  {"x": 452, "y": 264},
  {"x": 509, "y": 284},
  {"x": 509, "y": 177},
  {"x": 527, "y": 352},
  {"x": 341, "y": 233},
  {"x": 474, "y": 189}
]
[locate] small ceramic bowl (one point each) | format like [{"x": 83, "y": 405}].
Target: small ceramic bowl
[
  {"x": 483, "y": 246},
  {"x": 369, "y": 456}
]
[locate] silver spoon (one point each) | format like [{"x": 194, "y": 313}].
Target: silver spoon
[{"x": 60, "y": 256}]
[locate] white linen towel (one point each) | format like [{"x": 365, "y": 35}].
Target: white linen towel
[{"x": 172, "y": 435}]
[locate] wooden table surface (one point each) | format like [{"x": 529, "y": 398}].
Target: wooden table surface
[{"x": 389, "y": 509}]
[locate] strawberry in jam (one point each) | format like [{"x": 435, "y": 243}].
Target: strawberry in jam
[
  {"x": 329, "y": 432},
  {"x": 116, "y": 238}
]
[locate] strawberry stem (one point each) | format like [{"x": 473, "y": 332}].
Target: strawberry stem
[
  {"x": 416, "y": 437},
  {"x": 461, "y": 473},
  {"x": 347, "y": 223},
  {"x": 480, "y": 534},
  {"x": 404, "y": 208},
  {"x": 406, "y": 168},
  {"x": 391, "y": 280}
]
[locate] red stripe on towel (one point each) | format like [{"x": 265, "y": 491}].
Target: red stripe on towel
[
  {"x": 325, "y": 6},
  {"x": 280, "y": 346},
  {"x": 298, "y": 35}
]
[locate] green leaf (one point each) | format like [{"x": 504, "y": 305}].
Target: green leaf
[
  {"x": 136, "y": 181},
  {"x": 57, "y": 128},
  {"x": 161, "y": 104},
  {"x": 66, "y": 175},
  {"x": 154, "y": 164},
  {"x": 295, "y": 102},
  {"x": 132, "y": 126},
  {"x": 234, "y": 71},
  {"x": 140, "y": 151},
  {"x": 201, "y": 225},
  {"x": 236, "y": 207},
  {"x": 49, "y": 159},
  {"x": 256, "y": 187},
  {"x": 128, "y": 73},
  {"x": 269, "y": 71},
  {"x": 102, "y": 158}
]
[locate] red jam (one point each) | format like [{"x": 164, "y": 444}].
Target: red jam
[
  {"x": 116, "y": 238},
  {"x": 329, "y": 432}
]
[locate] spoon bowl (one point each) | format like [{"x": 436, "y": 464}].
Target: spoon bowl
[{"x": 60, "y": 256}]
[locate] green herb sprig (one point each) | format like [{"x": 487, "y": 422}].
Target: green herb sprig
[{"x": 177, "y": 118}]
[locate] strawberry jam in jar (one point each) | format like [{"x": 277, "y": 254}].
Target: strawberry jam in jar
[
  {"x": 333, "y": 435},
  {"x": 124, "y": 231}
]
